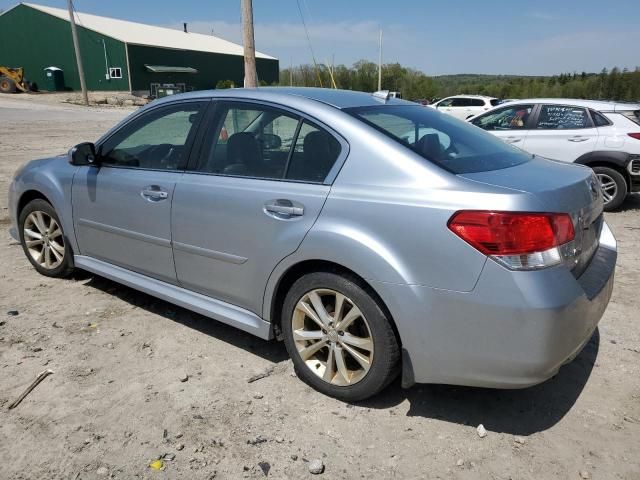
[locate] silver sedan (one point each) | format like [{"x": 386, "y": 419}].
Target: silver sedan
[{"x": 374, "y": 236}]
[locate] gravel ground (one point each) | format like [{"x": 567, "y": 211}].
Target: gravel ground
[{"x": 137, "y": 378}]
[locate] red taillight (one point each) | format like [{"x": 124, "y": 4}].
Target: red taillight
[
  {"x": 634, "y": 135},
  {"x": 506, "y": 233}
]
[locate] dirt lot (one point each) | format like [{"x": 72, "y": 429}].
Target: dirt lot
[{"x": 116, "y": 401}]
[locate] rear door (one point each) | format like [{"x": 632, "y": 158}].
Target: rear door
[
  {"x": 562, "y": 132},
  {"x": 122, "y": 210},
  {"x": 509, "y": 123},
  {"x": 260, "y": 182}
]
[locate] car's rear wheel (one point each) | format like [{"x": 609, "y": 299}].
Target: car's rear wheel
[
  {"x": 43, "y": 239},
  {"x": 613, "y": 185},
  {"x": 339, "y": 338}
]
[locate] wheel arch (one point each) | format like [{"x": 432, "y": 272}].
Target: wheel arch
[
  {"x": 29, "y": 196},
  {"x": 303, "y": 267},
  {"x": 615, "y": 160}
]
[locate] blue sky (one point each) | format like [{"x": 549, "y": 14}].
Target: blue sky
[{"x": 438, "y": 37}]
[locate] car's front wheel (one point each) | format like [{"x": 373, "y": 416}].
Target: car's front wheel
[
  {"x": 613, "y": 185},
  {"x": 339, "y": 338},
  {"x": 43, "y": 239}
]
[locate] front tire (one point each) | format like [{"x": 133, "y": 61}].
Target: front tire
[
  {"x": 613, "y": 185},
  {"x": 43, "y": 240},
  {"x": 338, "y": 337}
]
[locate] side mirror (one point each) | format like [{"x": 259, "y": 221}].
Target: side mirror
[
  {"x": 271, "y": 141},
  {"x": 83, "y": 154}
]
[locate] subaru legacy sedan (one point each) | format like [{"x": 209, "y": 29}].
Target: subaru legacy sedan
[{"x": 373, "y": 236}]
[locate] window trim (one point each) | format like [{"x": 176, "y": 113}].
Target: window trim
[
  {"x": 115, "y": 77},
  {"x": 539, "y": 112},
  {"x": 191, "y": 142},
  {"x": 213, "y": 116}
]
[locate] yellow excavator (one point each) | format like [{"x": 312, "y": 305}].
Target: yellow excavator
[{"x": 12, "y": 79}]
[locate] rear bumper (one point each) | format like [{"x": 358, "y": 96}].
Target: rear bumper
[{"x": 514, "y": 330}]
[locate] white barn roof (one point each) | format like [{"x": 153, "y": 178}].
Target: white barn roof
[{"x": 142, "y": 34}]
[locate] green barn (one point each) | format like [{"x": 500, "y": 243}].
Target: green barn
[{"x": 119, "y": 55}]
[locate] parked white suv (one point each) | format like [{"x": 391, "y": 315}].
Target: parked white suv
[
  {"x": 465, "y": 106},
  {"x": 602, "y": 135}
]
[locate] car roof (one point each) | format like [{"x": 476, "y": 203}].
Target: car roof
[
  {"x": 337, "y": 98},
  {"x": 471, "y": 96},
  {"x": 598, "y": 105}
]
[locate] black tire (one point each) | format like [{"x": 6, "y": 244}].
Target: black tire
[
  {"x": 620, "y": 186},
  {"x": 385, "y": 364},
  {"x": 65, "y": 268},
  {"x": 7, "y": 85}
]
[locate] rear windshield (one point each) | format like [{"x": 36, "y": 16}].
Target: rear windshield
[
  {"x": 495, "y": 101},
  {"x": 632, "y": 115},
  {"x": 451, "y": 144}
]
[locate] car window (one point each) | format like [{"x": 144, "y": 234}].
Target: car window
[
  {"x": 495, "y": 102},
  {"x": 453, "y": 145},
  {"x": 461, "y": 102},
  {"x": 159, "y": 139},
  {"x": 599, "y": 120},
  {"x": 562, "y": 117},
  {"x": 249, "y": 141},
  {"x": 476, "y": 102},
  {"x": 445, "y": 103},
  {"x": 313, "y": 155},
  {"x": 508, "y": 118}
]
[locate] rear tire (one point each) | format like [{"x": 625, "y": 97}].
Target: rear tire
[
  {"x": 43, "y": 240},
  {"x": 614, "y": 187},
  {"x": 7, "y": 85},
  {"x": 360, "y": 353}
]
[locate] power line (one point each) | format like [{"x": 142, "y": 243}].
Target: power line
[{"x": 313, "y": 56}]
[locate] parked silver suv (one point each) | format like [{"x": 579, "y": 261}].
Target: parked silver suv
[{"x": 372, "y": 235}]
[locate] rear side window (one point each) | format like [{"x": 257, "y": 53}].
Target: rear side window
[
  {"x": 449, "y": 143},
  {"x": 599, "y": 120},
  {"x": 563, "y": 117},
  {"x": 476, "y": 102},
  {"x": 314, "y": 153},
  {"x": 632, "y": 115}
]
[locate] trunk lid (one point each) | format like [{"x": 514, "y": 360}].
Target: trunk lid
[{"x": 560, "y": 187}]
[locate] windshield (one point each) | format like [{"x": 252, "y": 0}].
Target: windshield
[{"x": 451, "y": 144}]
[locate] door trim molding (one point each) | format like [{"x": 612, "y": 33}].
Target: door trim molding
[
  {"x": 210, "y": 307},
  {"x": 205, "y": 252},
  {"x": 124, "y": 232}
]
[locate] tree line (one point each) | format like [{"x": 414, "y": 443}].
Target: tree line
[{"x": 617, "y": 84}]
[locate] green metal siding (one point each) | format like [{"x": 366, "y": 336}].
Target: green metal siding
[
  {"x": 212, "y": 67},
  {"x": 35, "y": 40}
]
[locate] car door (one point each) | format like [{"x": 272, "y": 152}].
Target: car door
[
  {"x": 122, "y": 210},
  {"x": 260, "y": 182},
  {"x": 509, "y": 123},
  {"x": 562, "y": 132},
  {"x": 459, "y": 107}
]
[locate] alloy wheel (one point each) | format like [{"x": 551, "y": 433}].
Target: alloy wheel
[
  {"x": 332, "y": 337},
  {"x": 44, "y": 240},
  {"x": 609, "y": 187}
]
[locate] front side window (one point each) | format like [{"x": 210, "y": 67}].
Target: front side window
[
  {"x": 159, "y": 139},
  {"x": 508, "y": 118},
  {"x": 476, "y": 102},
  {"x": 258, "y": 141},
  {"x": 461, "y": 102},
  {"x": 453, "y": 145},
  {"x": 447, "y": 102},
  {"x": 562, "y": 117}
]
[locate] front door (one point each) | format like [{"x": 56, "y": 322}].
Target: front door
[
  {"x": 562, "y": 132},
  {"x": 122, "y": 210},
  {"x": 260, "y": 184}
]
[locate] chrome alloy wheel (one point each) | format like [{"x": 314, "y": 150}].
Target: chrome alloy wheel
[
  {"x": 44, "y": 240},
  {"x": 332, "y": 337},
  {"x": 609, "y": 187}
]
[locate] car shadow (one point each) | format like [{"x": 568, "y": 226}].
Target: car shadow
[
  {"x": 632, "y": 202},
  {"x": 517, "y": 412},
  {"x": 271, "y": 351}
]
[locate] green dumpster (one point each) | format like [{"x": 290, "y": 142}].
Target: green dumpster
[{"x": 54, "y": 79}]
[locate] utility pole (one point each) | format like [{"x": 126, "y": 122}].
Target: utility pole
[
  {"x": 250, "y": 75},
  {"x": 76, "y": 48},
  {"x": 380, "y": 64}
]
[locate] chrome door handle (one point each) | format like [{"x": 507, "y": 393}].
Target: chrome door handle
[
  {"x": 154, "y": 193},
  {"x": 577, "y": 139},
  {"x": 512, "y": 139},
  {"x": 284, "y": 207}
]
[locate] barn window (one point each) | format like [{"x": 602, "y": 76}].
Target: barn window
[{"x": 115, "y": 72}]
